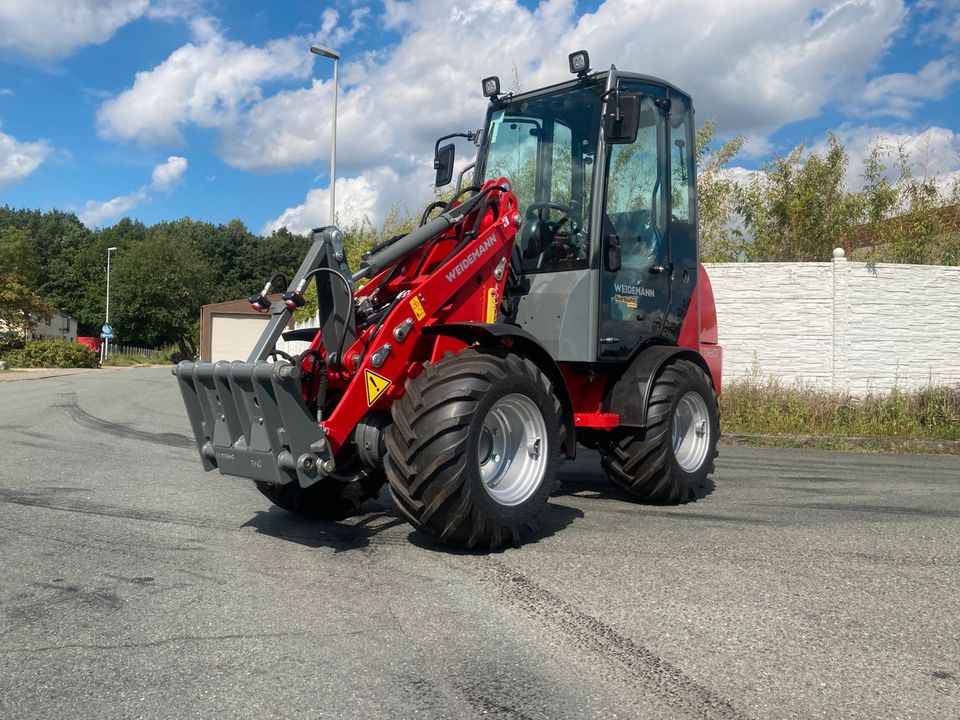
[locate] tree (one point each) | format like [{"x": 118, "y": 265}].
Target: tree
[
  {"x": 797, "y": 207},
  {"x": 158, "y": 286},
  {"x": 261, "y": 258},
  {"x": 359, "y": 238},
  {"x": 82, "y": 276},
  {"x": 54, "y": 237},
  {"x": 905, "y": 218},
  {"x": 21, "y": 300},
  {"x": 717, "y": 192}
]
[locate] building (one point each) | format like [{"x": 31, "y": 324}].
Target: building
[
  {"x": 59, "y": 325},
  {"x": 229, "y": 330}
]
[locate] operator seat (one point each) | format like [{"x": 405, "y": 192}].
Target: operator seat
[{"x": 638, "y": 241}]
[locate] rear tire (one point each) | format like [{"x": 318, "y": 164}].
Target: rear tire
[
  {"x": 668, "y": 460},
  {"x": 330, "y": 497},
  {"x": 473, "y": 450}
]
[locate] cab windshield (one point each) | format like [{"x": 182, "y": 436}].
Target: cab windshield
[{"x": 546, "y": 146}]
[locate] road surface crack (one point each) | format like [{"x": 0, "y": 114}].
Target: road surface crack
[{"x": 640, "y": 664}]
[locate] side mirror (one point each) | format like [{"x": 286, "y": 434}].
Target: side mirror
[
  {"x": 622, "y": 120},
  {"x": 443, "y": 164},
  {"x": 612, "y": 257}
]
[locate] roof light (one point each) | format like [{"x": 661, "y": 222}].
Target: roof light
[
  {"x": 324, "y": 52},
  {"x": 491, "y": 87},
  {"x": 579, "y": 62}
]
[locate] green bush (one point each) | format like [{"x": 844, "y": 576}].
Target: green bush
[
  {"x": 756, "y": 407},
  {"x": 54, "y": 353}
]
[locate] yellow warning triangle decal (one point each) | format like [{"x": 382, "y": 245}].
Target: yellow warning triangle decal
[{"x": 376, "y": 385}]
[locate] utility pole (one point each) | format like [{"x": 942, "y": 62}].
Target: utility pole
[
  {"x": 335, "y": 56},
  {"x": 104, "y": 350}
]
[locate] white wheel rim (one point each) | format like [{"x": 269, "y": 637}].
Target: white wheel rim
[
  {"x": 691, "y": 432},
  {"x": 512, "y": 452}
]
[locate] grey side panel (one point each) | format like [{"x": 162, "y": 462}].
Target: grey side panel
[{"x": 560, "y": 310}]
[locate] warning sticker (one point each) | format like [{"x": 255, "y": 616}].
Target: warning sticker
[
  {"x": 491, "y": 310},
  {"x": 376, "y": 385},
  {"x": 417, "y": 308}
]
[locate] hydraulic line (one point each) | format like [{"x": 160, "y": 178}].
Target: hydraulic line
[{"x": 350, "y": 312}]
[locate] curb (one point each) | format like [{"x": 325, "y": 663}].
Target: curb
[
  {"x": 19, "y": 374},
  {"x": 867, "y": 442}
]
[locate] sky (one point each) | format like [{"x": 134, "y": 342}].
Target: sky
[{"x": 216, "y": 109}]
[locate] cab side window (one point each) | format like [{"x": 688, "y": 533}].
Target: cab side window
[
  {"x": 681, "y": 178},
  {"x": 634, "y": 206}
]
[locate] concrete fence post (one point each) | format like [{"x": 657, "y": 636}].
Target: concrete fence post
[{"x": 840, "y": 380}]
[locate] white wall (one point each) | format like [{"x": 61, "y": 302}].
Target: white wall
[{"x": 839, "y": 325}]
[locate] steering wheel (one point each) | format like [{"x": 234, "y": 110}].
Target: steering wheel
[{"x": 553, "y": 227}]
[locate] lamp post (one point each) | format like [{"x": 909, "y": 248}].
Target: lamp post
[
  {"x": 335, "y": 56},
  {"x": 106, "y": 341}
]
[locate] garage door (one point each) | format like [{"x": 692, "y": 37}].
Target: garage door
[{"x": 232, "y": 337}]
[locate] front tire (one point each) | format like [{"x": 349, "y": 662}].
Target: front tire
[
  {"x": 473, "y": 450},
  {"x": 668, "y": 460}
]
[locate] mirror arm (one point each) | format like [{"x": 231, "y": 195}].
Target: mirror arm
[{"x": 470, "y": 135}]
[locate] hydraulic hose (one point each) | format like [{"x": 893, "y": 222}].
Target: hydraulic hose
[{"x": 381, "y": 259}]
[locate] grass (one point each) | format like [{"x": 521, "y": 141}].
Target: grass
[
  {"x": 156, "y": 357},
  {"x": 923, "y": 420}
]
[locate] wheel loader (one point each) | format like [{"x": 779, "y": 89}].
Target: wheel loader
[{"x": 555, "y": 301}]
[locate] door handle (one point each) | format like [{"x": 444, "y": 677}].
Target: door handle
[{"x": 656, "y": 269}]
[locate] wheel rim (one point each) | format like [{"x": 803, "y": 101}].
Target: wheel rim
[
  {"x": 512, "y": 451},
  {"x": 691, "y": 432}
]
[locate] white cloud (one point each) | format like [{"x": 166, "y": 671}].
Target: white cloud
[
  {"x": 168, "y": 174},
  {"x": 164, "y": 178},
  {"x": 757, "y": 145},
  {"x": 752, "y": 65},
  {"x": 934, "y": 152},
  {"x": 335, "y": 34},
  {"x": 6, "y": 91},
  {"x": 55, "y": 29},
  {"x": 944, "y": 20},
  {"x": 359, "y": 199},
  {"x": 208, "y": 84},
  {"x": 899, "y": 94},
  {"x": 94, "y": 212},
  {"x": 20, "y": 159}
]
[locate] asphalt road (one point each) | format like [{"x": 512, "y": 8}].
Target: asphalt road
[{"x": 132, "y": 584}]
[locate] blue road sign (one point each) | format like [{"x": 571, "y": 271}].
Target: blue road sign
[
  {"x": 106, "y": 336},
  {"x": 107, "y": 329}
]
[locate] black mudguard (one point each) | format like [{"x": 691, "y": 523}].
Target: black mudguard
[{"x": 629, "y": 395}]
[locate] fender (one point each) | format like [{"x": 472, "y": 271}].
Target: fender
[
  {"x": 629, "y": 395},
  {"x": 524, "y": 344}
]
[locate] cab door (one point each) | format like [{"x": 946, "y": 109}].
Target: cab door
[{"x": 635, "y": 297}]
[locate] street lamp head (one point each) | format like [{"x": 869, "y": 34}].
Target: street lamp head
[
  {"x": 111, "y": 248},
  {"x": 324, "y": 52}
]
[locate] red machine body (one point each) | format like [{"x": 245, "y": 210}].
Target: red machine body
[
  {"x": 435, "y": 289},
  {"x": 557, "y": 302}
]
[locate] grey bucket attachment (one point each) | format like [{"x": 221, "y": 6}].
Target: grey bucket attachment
[{"x": 249, "y": 420}]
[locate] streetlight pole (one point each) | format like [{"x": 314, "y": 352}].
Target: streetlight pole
[
  {"x": 106, "y": 341},
  {"x": 335, "y": 56}
]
